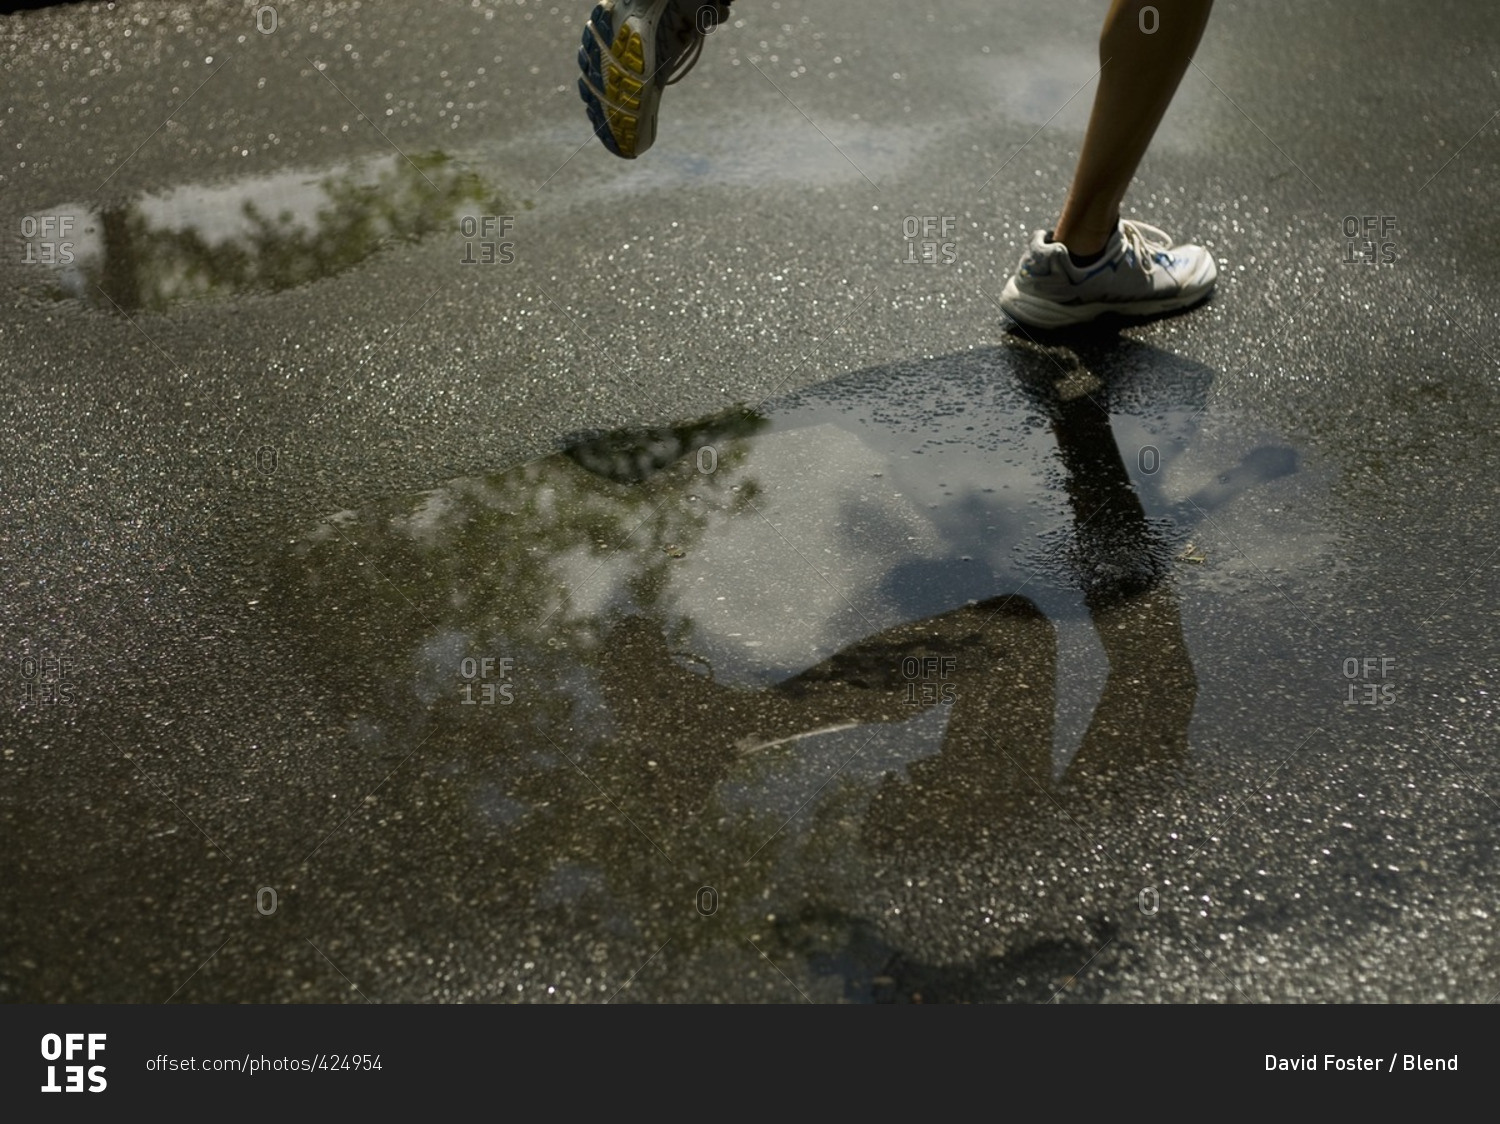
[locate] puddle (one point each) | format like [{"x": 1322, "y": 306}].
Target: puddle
[
  {"x": 914, "y": 611},
  {"x": 259, "y": 234}
]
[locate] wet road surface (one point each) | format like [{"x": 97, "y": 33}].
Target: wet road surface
[{"x": 443, "y": 562}]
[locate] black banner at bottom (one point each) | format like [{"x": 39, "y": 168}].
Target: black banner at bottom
[{"x": 85, "y": 1062}]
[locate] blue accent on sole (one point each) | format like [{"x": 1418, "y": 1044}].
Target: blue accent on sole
[{"x": 592, "y": 67}]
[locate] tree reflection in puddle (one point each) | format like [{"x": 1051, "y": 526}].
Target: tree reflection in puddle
[{"x": 261, "y": 234}]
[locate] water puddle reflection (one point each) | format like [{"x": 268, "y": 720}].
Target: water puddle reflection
[
  {"x": 258, "y": 234},
  {"x": 787, "y": 656}
]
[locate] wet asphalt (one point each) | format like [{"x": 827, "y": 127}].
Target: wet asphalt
[{"x": 445, "y": 562}]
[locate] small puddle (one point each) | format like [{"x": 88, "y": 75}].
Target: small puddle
[
  {"x": 917, "y": 609},
  {"x": 259, "y": 234}
]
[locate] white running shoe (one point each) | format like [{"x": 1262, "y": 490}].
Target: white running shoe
[{"x": 1140, "y": 274}]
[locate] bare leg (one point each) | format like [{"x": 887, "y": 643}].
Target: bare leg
[{"x": 1144, "y": 51}]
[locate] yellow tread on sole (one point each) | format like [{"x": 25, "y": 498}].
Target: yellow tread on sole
[{"x": 624, "y": 89}]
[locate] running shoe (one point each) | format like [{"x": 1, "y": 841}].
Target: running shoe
[
  {"x": 1141, "y": 273},
  {"x": 632, "y": 50}
]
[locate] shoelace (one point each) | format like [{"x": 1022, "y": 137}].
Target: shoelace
[
  {"x": 676, "y": 69},
  {"x": 1146, "y": 241},
  {"x": 685, "y": 61}
]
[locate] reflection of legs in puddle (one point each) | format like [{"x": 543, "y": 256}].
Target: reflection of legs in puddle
[
  {"x": 992, "y": 664},
  {"x": 1095, "y": 262},
  {"x": 1141, "y": 721},
  {"x": 992, "y": 762}
]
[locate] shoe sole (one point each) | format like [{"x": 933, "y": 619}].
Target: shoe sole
[
  {"x": 1034, "y": 312},
  {"x": 621, "y": 101}
]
